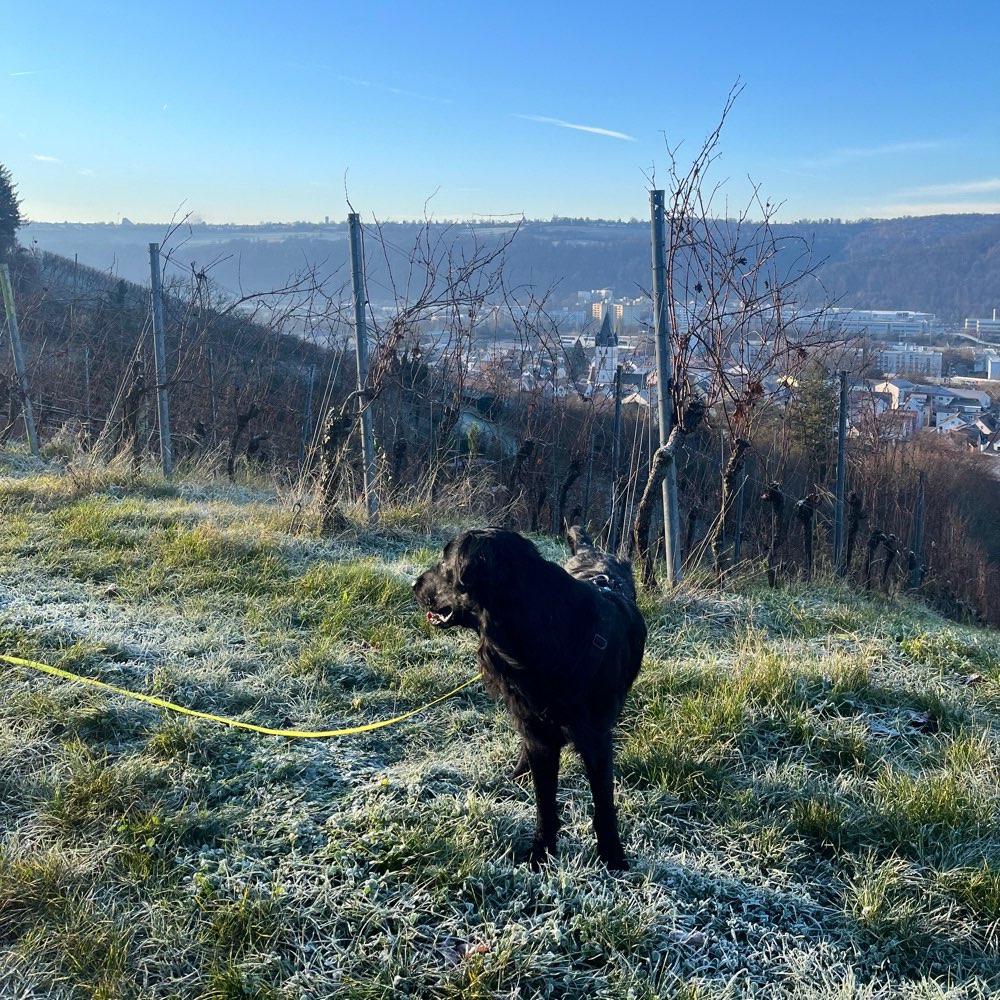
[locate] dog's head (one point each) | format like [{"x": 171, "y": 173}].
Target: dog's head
[{"x": 477, "y": 570}]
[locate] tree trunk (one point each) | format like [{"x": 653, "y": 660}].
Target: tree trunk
[
  {"x": 805, "y": 511},
  {"x": 776, "y": 499},
  {"x": 854, "y": 518},
  {"x": 336, "y": 431},
  {"x": 891, "y": 545},
  {"x": 662, "y": 458},
  {"x": 242, "y": 422},
  {"x": 572, "y": 475},
  {"x": 875, "y": 539},
  {"x": 730, "y": 487}
]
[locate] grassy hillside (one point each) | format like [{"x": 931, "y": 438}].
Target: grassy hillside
[{"x": 808, "y": 779}]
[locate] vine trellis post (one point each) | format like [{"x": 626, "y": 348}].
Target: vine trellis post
[
  {"x": 664, "y": 379},
  {"x": 15, "y": 345}
]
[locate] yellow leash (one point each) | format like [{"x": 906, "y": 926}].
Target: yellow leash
[{"x": 161, "y": 703}]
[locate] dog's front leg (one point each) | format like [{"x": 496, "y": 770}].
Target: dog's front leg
[
  {"x": 595, "y": 749},
  {"x": 544, "y": 763}
]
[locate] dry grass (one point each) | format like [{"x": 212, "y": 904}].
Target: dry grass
[{"x": 807, "y": 780}]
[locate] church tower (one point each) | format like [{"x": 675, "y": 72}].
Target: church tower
[{"x": 602, "y": 371}]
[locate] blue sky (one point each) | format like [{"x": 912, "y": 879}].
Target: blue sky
[{"x": 254, "y": 111}]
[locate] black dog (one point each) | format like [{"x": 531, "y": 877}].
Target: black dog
[
  {"x": 561, "y": 652},
  {"x": 600, "y": 568}
]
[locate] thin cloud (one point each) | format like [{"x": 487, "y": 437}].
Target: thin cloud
[
  {"x": 593, "y": 129},
  {"x": 920, "y": 208},
  {"x": 42, "y": 158},
  {"x": 25, "y": 72},
  {"x": 386, "y": 89},
  {"x": 851, "y": 154},
  {"x": 954, "y": 188}
]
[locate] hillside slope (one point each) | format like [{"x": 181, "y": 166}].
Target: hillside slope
[
  {"x": 809, "y": 780},
  {"x": 948, "y": 265},
  {"x": 234, "y": 377}
]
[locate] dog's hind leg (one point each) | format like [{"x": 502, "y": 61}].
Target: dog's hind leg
[
  {"x": 595, "y": 749},
  {"x": 544, "y": 762},
  {"x": 523, "y": 765}
]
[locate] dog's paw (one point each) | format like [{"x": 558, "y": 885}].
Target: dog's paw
[
  {"x": 538, "y": 856},
  {"x": 519, "y": 770},
  {"x": 616, "y": 865},
  {"x": 613, "y": 857},
  {"x": 522, "y": 767}
]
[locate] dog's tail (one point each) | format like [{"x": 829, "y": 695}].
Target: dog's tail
[{"x": 578, "y": 540}]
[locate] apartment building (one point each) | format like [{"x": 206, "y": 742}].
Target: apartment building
[{"x": 897, "y": 359}]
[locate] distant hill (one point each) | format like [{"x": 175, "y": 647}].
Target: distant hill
[
  {"x": 948, "y": 265},
  {"x": 237, "y": 384},
  {"x": 245, "y": 395}
]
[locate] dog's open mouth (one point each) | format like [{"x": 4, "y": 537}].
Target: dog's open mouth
[{"x": 440, "y": 618}]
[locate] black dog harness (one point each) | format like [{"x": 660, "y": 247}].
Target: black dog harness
[{"x": 602, "y": 582}]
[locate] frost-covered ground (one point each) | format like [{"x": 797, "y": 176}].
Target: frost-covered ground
[{"x": 808, "y": 780}]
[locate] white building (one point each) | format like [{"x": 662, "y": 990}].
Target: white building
[
  {"x": 985, "y": 328},
  {"x": 900, "y": 358},
  {"x": 899, "y": 324},
  {"x": 631, "y": 313},
  {"x": 934, "y": 403}
]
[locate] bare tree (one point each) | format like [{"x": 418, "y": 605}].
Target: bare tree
[
  {"x": 425, "y": 312},
  {"x": 741, "y": 322}
]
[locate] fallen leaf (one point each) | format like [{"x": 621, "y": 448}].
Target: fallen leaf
[
  {"x": 924, "y": 721},
  {"x": 908, "y": 721},
  {"x": 694, "y": 939},
  {"x": 449, "y": 948},
  {"x": 880, "y": 728}
]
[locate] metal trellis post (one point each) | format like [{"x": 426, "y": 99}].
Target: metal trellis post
[
  {"x": 15, "y": 344},
  {"x": 160, "y": 356}
]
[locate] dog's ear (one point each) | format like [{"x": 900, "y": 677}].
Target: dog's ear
[
  {"x": 481, "y": 565},
  {"x": 472, "y": 570}
]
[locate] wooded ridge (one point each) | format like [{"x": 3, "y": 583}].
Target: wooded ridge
[{"x": 948, "y": 265}]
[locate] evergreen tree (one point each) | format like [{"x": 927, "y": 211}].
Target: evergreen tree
[
  {"x": 10, "y": 213},
  {"x": 813, "y": 416},
  {"x": 576, "y": 362}
]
